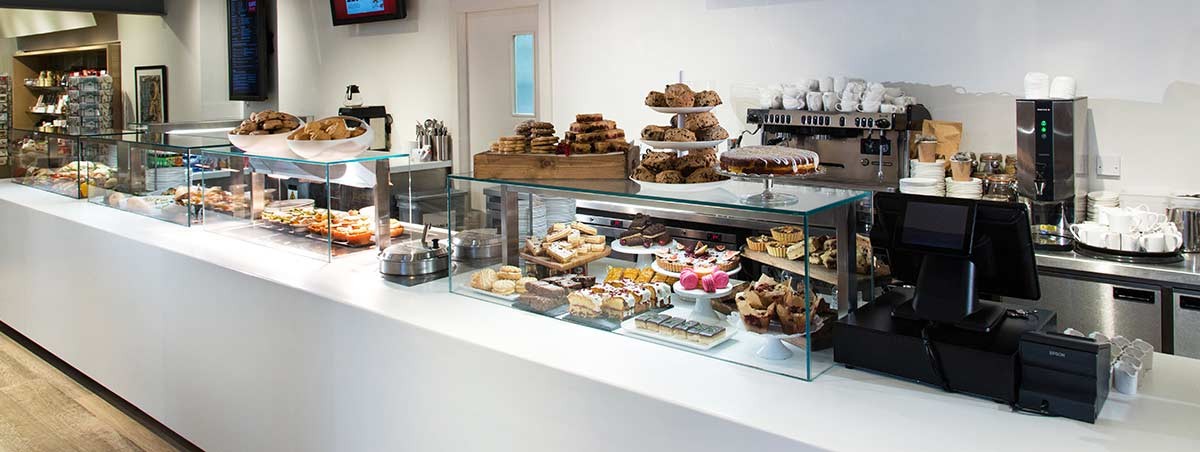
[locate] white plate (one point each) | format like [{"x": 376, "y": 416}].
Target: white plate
[
  {"x": 489, "y": 293},
  {"x": 683, "y": 145},
  {"x": 700, "y": 294},
  {"x": 631, "y": 326},
  {"x": 638, "y": 250},
  {"x": 670, "y": 274},
  {"x": 918, "y": 182},
  {"x": 682, "y": 110},
  {"x": 680, "y": 188}
]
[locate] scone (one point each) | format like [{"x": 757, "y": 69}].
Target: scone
[
  {"x": 703, "y": 175},
  {"x": 707, "y": 99},
  {"x": 654, "y": 133},
  {"x": 669, "y": 177},
  {"x": 691, "y": 162},
  {"x": 712, "y": 134},
  {"x": 585, "y": 127},
  {"x": 656, "y": 99},
  {"x": 679, "y": 136},
  {"x": 605, "y": 147},
  {"x": 697, "y": 121},
  {"x": 644, "y": 174},
  {"x": 680, "y": 95},
  {"x": 589, "y": 117},
  {"x": 659, "y": 161}
]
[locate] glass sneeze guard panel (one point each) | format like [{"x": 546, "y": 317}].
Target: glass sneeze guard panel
[{"x": 49, "y": 159}]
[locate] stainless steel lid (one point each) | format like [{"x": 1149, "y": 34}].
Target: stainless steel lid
[
  {"x": 477, "y": 238},
  {"x": 413, "y": 250}
]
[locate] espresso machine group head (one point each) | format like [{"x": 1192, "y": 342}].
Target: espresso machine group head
[
  {"x": 1052, "y": 166},
  {"x": 862, "y": 150}
]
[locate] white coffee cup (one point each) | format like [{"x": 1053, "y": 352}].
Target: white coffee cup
[
  {"x": 1112, "y": 240},
  {"x": 876, "y": 87},
  {"x": 1122, "y": 221},
  {"x": 1125, "y": 378},
  {"x": 1129, "y": 242},
  {"x": 869, "y": 107},
  {"x": 825, "y": 84},
  {"x": 830, "y": 99},
  {"x": 1154, "y": 243},
  {"x": 1062, "y": 87},
  {"x": 793, "y": 91},
  {"x": 813, "y": 101},
  {"x": 905, "y": 101},
  {"x": 893, "y": 92},
  {"x": 873, "y": 96},
  {"x": 792, "y": 103},
  {"x": 1037, "y": 85},
  {"x": 1172, "y": 241},
  {"x": 810, "y": 84},
  {"x": 889, "y": 108},
  {"x": 1089, "y": 234},
  {"x": 839, "y": 83},
  {"x": 847, "y": 106}
]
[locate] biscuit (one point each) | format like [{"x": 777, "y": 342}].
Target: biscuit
[
  {"x": 643, "y": 174},
  {"x": 679, "y": 136},
  {"x": 517, "y": 139},
  {"x": 589, "y": 117},
  {"x": 706, "y": 174},
  {"x": 707, "y": 99},
  {"x": 680, "y": 95},
  {"x": 669, "y": 177},
  {"x": 585, "y": 127},
  {"x": 712, "y": 133},
  {"x": 523, "y": 127},
  {"x": 659, "y": 161},
  {"x": 656, "y": 99},
  {"x": 697, "y": 121},
  {"x": 653, "y": 133},
  {"x": 543, "y": 140},
  {"x": 504, "y": 287},
  {"x": 540, "y": 125}
]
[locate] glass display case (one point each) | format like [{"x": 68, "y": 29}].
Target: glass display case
[
  {"x": 48, "y": 159},
  {"x": 321, "y": 209},
  {"x": 150, "y": 173},
  {"x": 713, "y": 271}
]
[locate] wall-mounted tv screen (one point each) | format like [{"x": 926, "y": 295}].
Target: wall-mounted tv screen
[
  {"x": 359, "y": 11},
  {"x": 249, "y": 50}
]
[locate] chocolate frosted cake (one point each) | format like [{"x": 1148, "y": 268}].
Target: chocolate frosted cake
[{"x": 776, "y": 160}]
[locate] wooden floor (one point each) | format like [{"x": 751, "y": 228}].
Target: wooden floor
[{"x": 41, "y": 409}]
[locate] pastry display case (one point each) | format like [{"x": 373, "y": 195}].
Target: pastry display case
[
  {"x": 320, "y": 209},
  {"x": 704, "y": 271},
  {"x": 148, "y": 173},
  {"x": 49, "y": 159}
]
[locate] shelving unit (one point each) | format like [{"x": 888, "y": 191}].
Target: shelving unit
[
  {"x": 5, "y": 122},
  {"x": 27, "y": 65}
]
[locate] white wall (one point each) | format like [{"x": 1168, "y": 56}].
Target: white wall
[
  {"x": 965, "y": 59},
  {"x": 8, "y": 46}
]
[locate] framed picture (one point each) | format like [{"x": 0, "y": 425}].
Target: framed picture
[{"x": 150, "y": 93}]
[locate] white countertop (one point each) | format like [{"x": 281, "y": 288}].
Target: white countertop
[{"x": 841, "y": 410}]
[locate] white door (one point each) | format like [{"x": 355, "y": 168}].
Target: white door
[{"x": 502, "y": 47}]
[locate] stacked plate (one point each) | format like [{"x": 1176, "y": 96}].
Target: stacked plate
[
  {"x": 558, "y": 210},
  {"x": 972, "y": 189},
  {"x": 1099, "y": 199},
  {"x": 935, "y": 171},
  {"x": 923, "y": 186}
]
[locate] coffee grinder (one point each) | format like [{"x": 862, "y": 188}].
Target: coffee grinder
[{"x": 1052, "y": 166}]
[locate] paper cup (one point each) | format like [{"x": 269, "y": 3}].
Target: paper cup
[
  {"x": 927, "y": 151},
  {"x": 961, "y": 170}
]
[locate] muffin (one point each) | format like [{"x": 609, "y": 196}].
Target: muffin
[
  {"x": 644, "y": 174},
  {"x": 679, "y": 136},
  {"x": 660, "y": 161},
  {"x": 656, "y": 99},
  {"x": 680, "y": 95},
  {"x": 707, "y": 99},
  {"x": 697, "y": 121},
  {"x": 702, "y": 175},
  {"x": 669, "y": 177},
  {"x": 712, "y": 133}
]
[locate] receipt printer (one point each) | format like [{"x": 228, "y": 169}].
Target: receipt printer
[{"x": 1063, "y": 375}]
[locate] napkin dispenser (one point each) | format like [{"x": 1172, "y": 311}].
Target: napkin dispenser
[{"x": 1064, "y": 375}]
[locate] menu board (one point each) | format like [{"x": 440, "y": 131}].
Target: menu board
[
  {"x": 248, "y": 50},
  {"x": 360, "y": 11}
]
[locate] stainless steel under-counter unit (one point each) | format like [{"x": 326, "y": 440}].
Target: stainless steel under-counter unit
[
  {"x": 1112, "y": 308},
  {"x": 1187, "y": 323}
]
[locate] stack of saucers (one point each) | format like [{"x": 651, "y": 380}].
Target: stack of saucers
[
  {"x": 972, "y": 189},
  {"x": 923, "y": 186},
  {"x": 935, "y": 171},
  {"x": 1098, "y": 200}
]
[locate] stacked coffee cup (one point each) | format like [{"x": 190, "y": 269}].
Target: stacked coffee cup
[
  {"x": 1136, "y": 230},
  {"x": 836, "y": 94}
]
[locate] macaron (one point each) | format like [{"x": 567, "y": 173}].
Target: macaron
[
  {"x": 688, "y": 279},
  {"x": 709, "y": 283},
  {"x": 720, "y": 279}
]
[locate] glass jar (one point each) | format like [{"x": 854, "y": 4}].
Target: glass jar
[
  {"x": 991, "y": 163},
  {"x": 1000, "y": 187}
]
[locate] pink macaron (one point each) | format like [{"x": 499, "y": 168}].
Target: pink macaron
[
  {"x": 720, "y": 279},
  {"x": 688, "y": 279},
  {"x": 709, "y": 283}
]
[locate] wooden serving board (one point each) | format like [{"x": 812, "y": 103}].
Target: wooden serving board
[
  {"x": 542, "y": 166},
  {"x": 552, "y": 264},
  {"x": 817, "y": 272}
]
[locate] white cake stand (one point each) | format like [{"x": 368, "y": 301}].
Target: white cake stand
[
  {"x": 645, "y": 256},
  {"x": 769, "y": 197},
  {"x": 703, "y": 311},
  {"x": 670, "y": 274},
  {"x": 773, "y": 347}
]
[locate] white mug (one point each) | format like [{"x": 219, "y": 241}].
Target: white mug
[
  {"x": 1154, "y": 243},
  {"x": 1122, "y": 221},
  {"x": 876, "y": 87},
  {"x": 1089, "y": 234},
  {"x": 825, "y": 84},
  {"x": 1172, "y": 240},
  {"x": 893, "y": 92},
  {"x": 810, "y": 84},
  {"x": 1129, "y": 242},
  {"x": 1037, "y": 85},
  {"x": 873, "y": 96},
  {"x": 889, "y": 108},
  {"x": 813, "y": 100},
  {"x": 792, "y": 103},
  {"x": 839, "y": 83},
  {"x": 847, "y": 106},
  {"x": 830, "y": 99},
  {"x": 905, "y": 101},
  {"x": 793, "y": 91},
  {"x": 869, "y": 107},
  {"x": 1062, "y": 87},
  {"x": 1112, "y": 240}
]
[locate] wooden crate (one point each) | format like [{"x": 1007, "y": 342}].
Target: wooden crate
[{"x": 538, "y": 166}]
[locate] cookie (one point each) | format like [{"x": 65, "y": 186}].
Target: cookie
[
  {"x": 712, "y": 133},
  {"x": 589, "y": 117},
  {"x": 659, "y": 161},
  {"x": 605, "y": 147},
  {"x": 669, "y": 177},
  {"x": 679, "y": 136},
  {"x": 581, "y": 148},
  {"x": 512, "y": 139},
  {"x": 697, "y": 121},
  {"x": 523, "y": 128},
  {"x": 706, "y": 174},
  {"x": 543, "y": 140},
  {"x": 540, "y": 125},
  {"x": 707, "y": 99},
  {"x": 604, "y": 135},
  {"x": 653, "y": 133},
  {"x": 585, "y": 127},
  {"x": 504, "y": 287},
  {"x": 656, "y": 99},
  {"x": 680, "y": 95},
  {"x": 644, "y": 174}
]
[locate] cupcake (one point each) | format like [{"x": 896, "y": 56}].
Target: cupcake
[
  {"x": 787, "y": 234},
  {"x": 758, "y": 243},
  {"x": 777, "y": 249}
]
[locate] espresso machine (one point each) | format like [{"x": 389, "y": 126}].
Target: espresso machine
[
  {"x": 866, "y": 151},
  {"x": 380, "y": 121},
  {"x": 1052, "y": 167}
]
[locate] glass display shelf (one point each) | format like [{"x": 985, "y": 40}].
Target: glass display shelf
[
  {"x": 321, "y": 209},
  {"x": 153, "y": 173},
  {"x": 503, "y": 230},
  {"x": 48, "y": 159}
]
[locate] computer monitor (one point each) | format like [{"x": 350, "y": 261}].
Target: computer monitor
[{"x": 912, "y": 233}]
